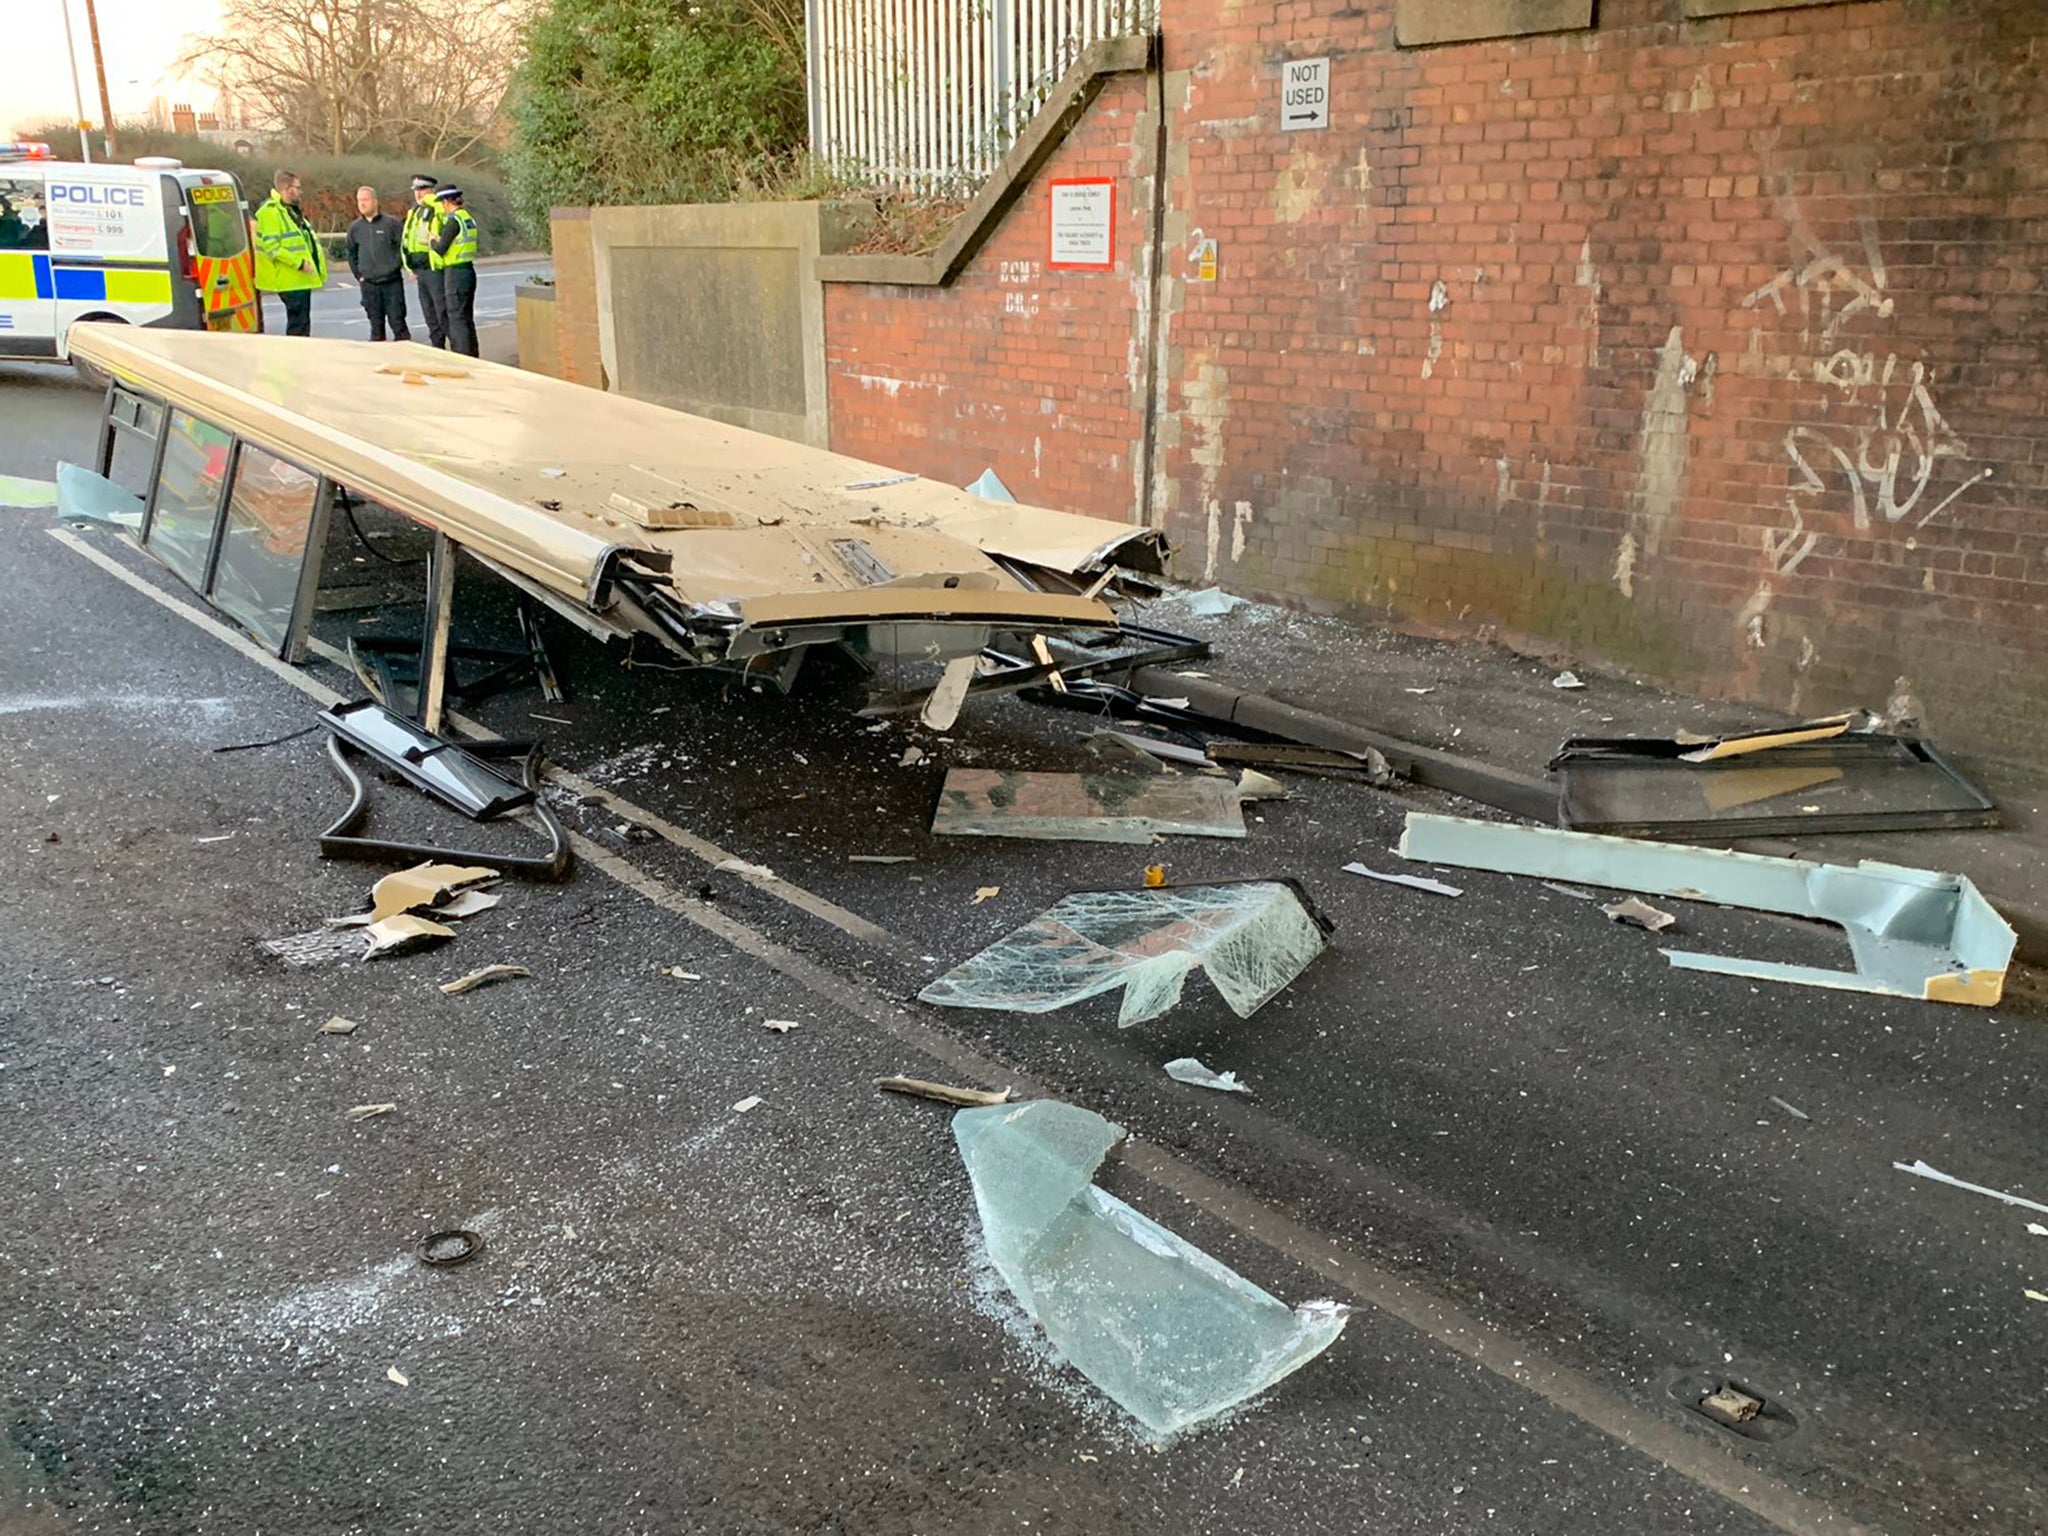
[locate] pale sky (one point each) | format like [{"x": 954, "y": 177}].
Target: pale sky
[{"x": 141, "y": 38}]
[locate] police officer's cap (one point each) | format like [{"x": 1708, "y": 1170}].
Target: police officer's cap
[
  {"x": 442, "y": 194},
  {"x": 422, "y": 183}
]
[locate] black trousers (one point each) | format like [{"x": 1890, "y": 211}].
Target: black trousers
[
  {"x": 458, "y": 295},
  {"x": 298, "y": 312},
  {"x": 432, "y": 306},
  {"x": 384, "y": 303}
]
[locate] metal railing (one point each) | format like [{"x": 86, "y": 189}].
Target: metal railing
[{"x": 927, "y": 95}]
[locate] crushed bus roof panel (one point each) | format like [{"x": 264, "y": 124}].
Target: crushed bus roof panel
[{"x": 720, "y": 542}]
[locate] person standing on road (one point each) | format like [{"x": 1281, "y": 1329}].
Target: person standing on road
[
  {"x": 376, "y": 257},
  {"x": 420, "y": 222},
  {"x": 453, "y": 253},
  {"x": 289, "y": 260}
]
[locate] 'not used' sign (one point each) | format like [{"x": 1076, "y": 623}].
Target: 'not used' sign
[{"x": 1304, "y": 94}]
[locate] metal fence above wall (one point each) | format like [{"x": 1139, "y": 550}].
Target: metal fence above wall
[{"x": 927, "y": 95}]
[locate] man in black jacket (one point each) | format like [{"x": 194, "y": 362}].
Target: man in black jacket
[{"x": 376, "y": 256}]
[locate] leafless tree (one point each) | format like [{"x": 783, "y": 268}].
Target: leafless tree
[{"x": 423, "y": 75}]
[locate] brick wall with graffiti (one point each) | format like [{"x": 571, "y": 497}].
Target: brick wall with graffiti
[{"x": 1714, "y": 349}]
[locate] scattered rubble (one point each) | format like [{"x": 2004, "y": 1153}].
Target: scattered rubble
[
  {"x": 1638, "y": 913},
  {"x": 484, "y": 977},
  {"x": 1413, "y": 882},
  {"x": 944, "y": 1093}
]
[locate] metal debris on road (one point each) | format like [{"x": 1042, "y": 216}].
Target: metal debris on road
[
  {"x": 985, "y": 893},
  {"x": 1369, "y": 766},
  {"x": 1924, "y": 1171},
  {"x": 1189, "y": 1069},
  {"x": 1912, "y": 932},
  {"x": 1169, "y": 1334},
  {"x": 339, "y": 1026},
  {"x": 944, "y": 1093},
  {"x": 1791, "y": 1109},
  {"x": 1097, "y": 807},
  {"x": 1252, "y": 937},
  {"x": 408, "y": 930},
  {"x": 371, "y": 1111},
  {"x": 2034, "y": 1296},
  {"x": 747, "y": 1105},
  {"x": 1415, "y": 882},
  {"x": 2036, "y": 1229},
  {"x": 677, "y": 973},
  {"x": 1566, "y": 680},
  {"x": 484, "y": 977},
  {"x": 1254, "y": 785},
  {"x": 881, "y": 858},
  {"x": 779, "y": 1026},
  {"x": 1638, "y": 913},
  {"x": 394, "y": 1374},
  {"x": 444, "y": 1250}
]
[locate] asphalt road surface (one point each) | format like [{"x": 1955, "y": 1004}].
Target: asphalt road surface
[
  {"x": 338, "y": 308},
  {"x": 1563, "y": 1184}
]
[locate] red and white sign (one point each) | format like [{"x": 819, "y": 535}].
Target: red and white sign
[{"x": 1083, "y": 222}]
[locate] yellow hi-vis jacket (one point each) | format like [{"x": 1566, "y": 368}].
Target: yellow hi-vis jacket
[{"x": 284, "y": 241}]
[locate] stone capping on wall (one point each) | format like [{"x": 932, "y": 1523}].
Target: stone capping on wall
[
  {"x": 1701, "y": 9},
  {"x": 1421, "y": 23},
  {"x": 1070, "y": 99}
]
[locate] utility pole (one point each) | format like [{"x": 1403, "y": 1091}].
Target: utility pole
[
  {"x": 77, "y": 95},
  {"x": 99, "y": 64}
]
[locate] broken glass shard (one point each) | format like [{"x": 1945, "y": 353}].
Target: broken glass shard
[
  {"x": 1112, "y": 807},
  {"x": 1171, "y": 1335},
  {"x": 1253, "y": 938},
  {"x": 86, "y": 497}
]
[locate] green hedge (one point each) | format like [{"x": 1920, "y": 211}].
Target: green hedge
[{"x": 330, "y": 181}]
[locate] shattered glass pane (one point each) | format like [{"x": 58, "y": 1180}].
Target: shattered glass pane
[
  {"x": 1252, "y": 938},
  {"x": 1171, "y": 1335},
  {"x": 269, "y": 514},
  {"x": 86, "y": 497},
  {"x": 187, "y": 502},
  {"x": 1112, "y": 807}
]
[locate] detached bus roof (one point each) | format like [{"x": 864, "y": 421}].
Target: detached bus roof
[{"x": 554, "y": 480}]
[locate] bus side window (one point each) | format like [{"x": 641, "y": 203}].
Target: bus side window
[{"x": 21, "y": 215}]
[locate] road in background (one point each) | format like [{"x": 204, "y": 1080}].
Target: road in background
[{"x": 338, "y": 308}]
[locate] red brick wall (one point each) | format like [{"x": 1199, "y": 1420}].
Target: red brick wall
[
  {"x": 1012, "y": 366},
  {"x": 1712, "y": 349}
]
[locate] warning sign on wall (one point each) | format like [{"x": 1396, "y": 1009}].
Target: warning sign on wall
[{"x": 1083, "y": 225}]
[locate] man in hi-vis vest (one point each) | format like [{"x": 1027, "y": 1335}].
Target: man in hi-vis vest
[
  {"x": 421, "y": 220},
  {"x": 289, "y": 260},
  {"x": 452, "y": 252}
]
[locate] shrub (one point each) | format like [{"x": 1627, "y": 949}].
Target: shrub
[{"x": 651, "y": 101}]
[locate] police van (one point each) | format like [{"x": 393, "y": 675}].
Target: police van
[{"x": 152, "y": 243}]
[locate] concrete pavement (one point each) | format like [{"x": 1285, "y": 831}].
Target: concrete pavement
[{"x": 1548, "y": 1168}]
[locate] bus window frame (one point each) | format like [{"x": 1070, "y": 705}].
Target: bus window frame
[{"x": 312, "y": 554}]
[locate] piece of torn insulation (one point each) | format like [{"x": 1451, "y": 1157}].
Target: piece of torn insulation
[
  {"x": 1912, "y": 932},
  {"x": 1253, "y": 938},
  {"x": 1167, "y": 1332},
  {"x": 1086, "y": 807}
]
